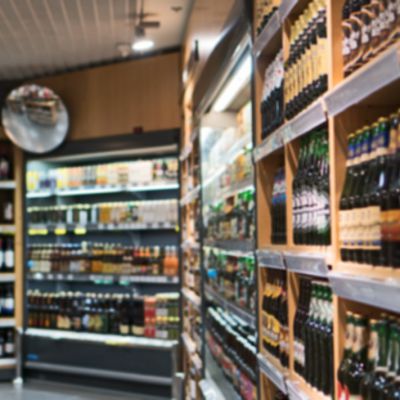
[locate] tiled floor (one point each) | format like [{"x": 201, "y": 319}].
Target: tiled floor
[{"x": 48, "y": 391}]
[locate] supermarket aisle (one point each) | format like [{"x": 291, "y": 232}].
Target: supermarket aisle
[{"x": 48, "y": 391}]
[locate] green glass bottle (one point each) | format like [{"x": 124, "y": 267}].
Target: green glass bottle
[
  {"x": 357, "y": 369},
  {"x": 379, "y": 378},
  {"x": 346, "y": 362},
  {"x": 394, "y": 390},
  {"x": 392, "y": 360},
  {"x": 371, "y": 359}
]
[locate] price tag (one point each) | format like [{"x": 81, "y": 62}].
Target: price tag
[
  {"x": 60, "y": 230},
  {"x": 80, "y": 230}
]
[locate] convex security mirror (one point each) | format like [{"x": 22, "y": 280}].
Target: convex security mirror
[{"x": 35, "y": 118}]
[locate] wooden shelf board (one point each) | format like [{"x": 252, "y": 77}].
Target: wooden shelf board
[
  {"x": 8, "y": 185},
  {"x": 6, "y": 322},
  {"x": 368, "y": 270},
  {"x": 271, "y": 367},
  {"x": 305, "y": 390},
  {"x": 8, "y": 363},
  {"x": 382, "y": 72}
]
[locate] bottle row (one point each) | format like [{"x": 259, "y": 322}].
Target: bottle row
[
  {"x": 369, "y": 27},
  {"x": 143, "y": 172},
  {"x": 370, "y": 367},
  {"x": 233, "y": 277},
  {"x": 132, "y": 212},
  {"x": 124, "y": 314},
  {"x": 234, "y": 347},
  {"x": 274, "y": 317},
  {"x": 7, "y": 343},
  {"x": 310, "y": 199},
  {"x": 369, "y": 223},
  {"x": 6, "y": 254},
  {"x": 233, "y": 218},
  {"x": 6, "y": 299},
  {"x": 103, "y": 258},
  {"x": 264, "y": 10},
  {"x": 313, "y": 335}
]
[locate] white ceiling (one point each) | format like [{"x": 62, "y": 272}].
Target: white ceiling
[{"x": 40, "y": 37}]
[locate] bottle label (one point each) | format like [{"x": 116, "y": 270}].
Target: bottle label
[
  {"x": 9, "y": 348},
  {"x": 355, "y": 397},
  {"x": 9, "y": 259}
]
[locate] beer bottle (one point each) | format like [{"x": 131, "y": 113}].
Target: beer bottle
[
  {"x": 357, "y": 366},
  {"x": 367, "y": 379},
  {"x": 379, "y": 376},
  {"x": 346, "y": 362}
]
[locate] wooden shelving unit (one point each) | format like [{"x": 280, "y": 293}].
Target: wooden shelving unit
[
  {"x": 350, "y": 103},
  {"x": 12, "y": 189},
  {"x": 190, "y": 206}
]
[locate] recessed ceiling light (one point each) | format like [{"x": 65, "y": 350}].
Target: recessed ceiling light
[
  {"x": 142, "y": 44},
  {"x": 176, "y": 8}
]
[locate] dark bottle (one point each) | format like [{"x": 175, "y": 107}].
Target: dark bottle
[
  {"x": 2, "y": 345},
  {"x": 326, "y": 341},
  {"x": 344, "y": 207},
  {"x": 2, "y": 255},
  {"x": 367, "y": 379},
  {"x": 381, "y": 171},
  {"x": 5, "y": 167},
  {"x": 392, "y": 360},
  {"x": 390, "y": 206},
  {"x": 356, "y": 370},
  {"x": 9, "y": 346},
  {"x": 346, "y": 362},
  {"x": 278, "y": 212},
  {"x": 379, "y": 377},
  {"x": 393, "y": 391}
]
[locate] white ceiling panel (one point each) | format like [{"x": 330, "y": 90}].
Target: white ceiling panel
[{"x": 39, "y": 37}]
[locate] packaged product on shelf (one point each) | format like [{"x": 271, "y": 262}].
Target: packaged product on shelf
[
  {"x": 113, "y": 313},
  {"x": 306, "y": 68},
  {"x": 133, "y": 212},
  {"x": 264, "y": 11},
  {"x": 5, "y": 166},
  {"x": 278, "y": 208},
  {"x": 369, "y": 205},
  {"x": 233, "y": 345},
  {"x": 272, "y": 103},
  {"x": 124, "y": 174},
  {"x": 232, "y": 219},
  {"x": 6, "y": 299},
  {"x": 6, "y": 254},
  {"x": 369, "y": 27},
  {"x": 313, "y": 335},
  {"x": 274, "y": 318},
  {"x": 233, "y": 277},
  {"x": 311, "y": 204},
  {"x": 103, "y": 258},
  {"x": 7, "y": 345},
  {"x": 370, "y": 365}
]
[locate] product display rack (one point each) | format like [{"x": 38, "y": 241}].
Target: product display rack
[
  {"x": 349, "y": 103},
  {"x": 10, "y": 192},
  {"x": 107, "y": 272},
  {"x": 190, "y": 205}
]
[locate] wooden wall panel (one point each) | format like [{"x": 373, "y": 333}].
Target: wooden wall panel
[{"x": 113, "y": 99}]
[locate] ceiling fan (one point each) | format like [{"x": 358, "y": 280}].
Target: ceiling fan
[{"x": 141, "y": 22}]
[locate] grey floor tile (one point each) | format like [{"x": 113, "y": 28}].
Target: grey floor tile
[{"x": 49, "y": 391}]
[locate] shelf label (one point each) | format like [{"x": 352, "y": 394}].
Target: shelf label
[
  {"x": 60, "y": 230},
  {"x": 80, "y": 230}
]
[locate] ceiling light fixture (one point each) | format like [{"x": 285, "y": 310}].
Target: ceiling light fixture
[
  {"x": 142, "y": 44},
  {"x": 239, "y": 79}
]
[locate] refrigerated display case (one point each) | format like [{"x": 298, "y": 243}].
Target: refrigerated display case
[{"x": 102, "y": 268}]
